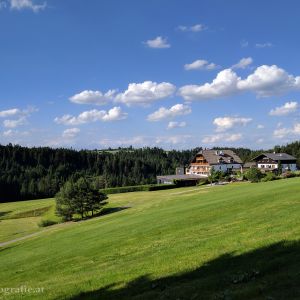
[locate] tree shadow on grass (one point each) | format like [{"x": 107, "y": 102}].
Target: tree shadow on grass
[
  {"x": 110, "y": 210},
  {"x": 268, "y": 273},
  {"x": 4, "y": 213}
]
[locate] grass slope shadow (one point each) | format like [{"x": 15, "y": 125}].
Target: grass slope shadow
[{"x": 269, "y": 273}]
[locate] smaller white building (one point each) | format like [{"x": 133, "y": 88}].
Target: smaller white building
[{"x": 274, "y": 161}]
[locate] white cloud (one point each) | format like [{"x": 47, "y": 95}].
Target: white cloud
[
  {"x": 269, "y": 80},
  {"x": 200, "y": 64},
  {"x": 15, "y": 123},
  {"x": 159, "y": 43},
  {"x": 243, "y": 63},
  {"x": 264, "y": 81},
  {"x": 264, "y": 45},
  {"x": 287, "y": 132},
  {"x": 20, "y": 116},
  {"x": 168, "y": 113},
  {"x": 219, "y": 138},
  {"x": 93, "y": 115},
  {"x": 194, "y": 28},
  {"x": 224, "y": 84},
  {"x": 10, "y": 112},
  {"x": 286, "y": 109},
  {"x": 27, "y": 4},
  {"x": 260, "y": 126},
  {"x": 174, "y": 124},
  {"x": 173, "y": 140},
  {"x": 226, "y": 123},
  {"x": 93, "y": 97},
  {"x": 70, "y": 133},
  {"x": 145, "y": 93}
]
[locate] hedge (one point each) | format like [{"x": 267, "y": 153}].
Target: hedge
[{"x": 138, "y": 188}]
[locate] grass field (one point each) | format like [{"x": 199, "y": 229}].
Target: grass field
[
  {"x": 240, "y": 241},
  {"x": 18, "y": 219}
]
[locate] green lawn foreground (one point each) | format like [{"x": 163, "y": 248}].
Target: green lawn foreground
[{"x": 240, "y": 241}]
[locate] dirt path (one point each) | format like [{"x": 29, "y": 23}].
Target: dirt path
[{"x": 3, "y": 244}]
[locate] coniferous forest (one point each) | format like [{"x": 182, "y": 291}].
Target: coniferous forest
[{"x": 31, "y": 173}]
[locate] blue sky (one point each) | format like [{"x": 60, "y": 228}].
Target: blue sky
[{"x": 167, "y": 73}]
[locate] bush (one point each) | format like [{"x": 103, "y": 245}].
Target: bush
[
  {"x": 162, "y": 187},
  {"x": 288, "y": 175},
  {"x": 45, "y": 223},
  {"x": 269, "y": 177},
  {"x": 253, "y": 175},
  {"x": 138, "y": 188},
  {"x": 125, "y": 189}
]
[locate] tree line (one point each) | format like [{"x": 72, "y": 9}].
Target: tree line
[{"x": 39, "y": 172}]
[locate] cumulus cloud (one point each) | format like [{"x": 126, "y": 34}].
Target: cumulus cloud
[
  {"x": 174, "y": 124},
  {"x": 145, "y": 93},
  {"x": 264, "y": 81},
  {"x": 193, "y": 28},
  {"x": 168, "y": 113},
  {"x": 260, "y": 126},
  {"x": 10, "y": 112},
  {"x": 219, "y": 138},
  {"x": 173, "y": 140},
  {"x": 224, "y": 84},
  {"x": 243, "y": 63},
  {"x": 286, "y": 109},
  {"x": 15, "y": 123},
  {"x": 287, "y": 132},
  {"x": 93, "y": 97},
  {"x": 27, "y": 4},
  {"x": 70, "y": 133},
  {"x": 200, "y": 64},
  {"x": 20, "y": 116},
  {"x": 264, "y": 45},
  {"x": 226, "y": 123},
  {"x": 268, "y": 81},
  {"x": 158, "y": 43},
  {"x": 93, "y": 115}
]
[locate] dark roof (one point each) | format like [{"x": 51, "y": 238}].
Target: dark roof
[
  {"x": 213, "y": 156},
  {"x": 250, "y": 164},
  {"x": 180, "y": 177},
  {"x": 276, "y": 156}
]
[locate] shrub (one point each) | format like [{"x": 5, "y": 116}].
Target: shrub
[
  {"x": 253, "y": 175},
  {"x": 288, "y": 175},
  {"x": 138, "y": 188},
  {"x": 269, "y": 177},
  {"x": 45, "y": 223},
  {"x": 125, "y": 189},
  {"x": 162, "y": 187}
]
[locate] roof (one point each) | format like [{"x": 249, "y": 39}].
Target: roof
[
  {"x": 276, "y": 156},
  {"x": 180, "y": 177},
  {"x": 250, "y": 164},
  {"x": 213, "y": 156}
]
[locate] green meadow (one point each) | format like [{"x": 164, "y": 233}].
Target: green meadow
[{"x": 239, "y": 241}]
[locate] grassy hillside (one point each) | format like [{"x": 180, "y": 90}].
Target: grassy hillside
[
  {"x": 18, "y": 219},
  {"x": 240, "y": 241}
]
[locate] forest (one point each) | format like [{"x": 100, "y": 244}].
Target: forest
[{"x": 39, "y": 172}]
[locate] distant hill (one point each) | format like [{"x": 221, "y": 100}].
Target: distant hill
[{"x": 30, "y": 173}]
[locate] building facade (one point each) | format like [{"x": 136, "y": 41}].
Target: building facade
[
  {"x": 220, "y": 160},
  {"x": 274, "y": 161}
]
